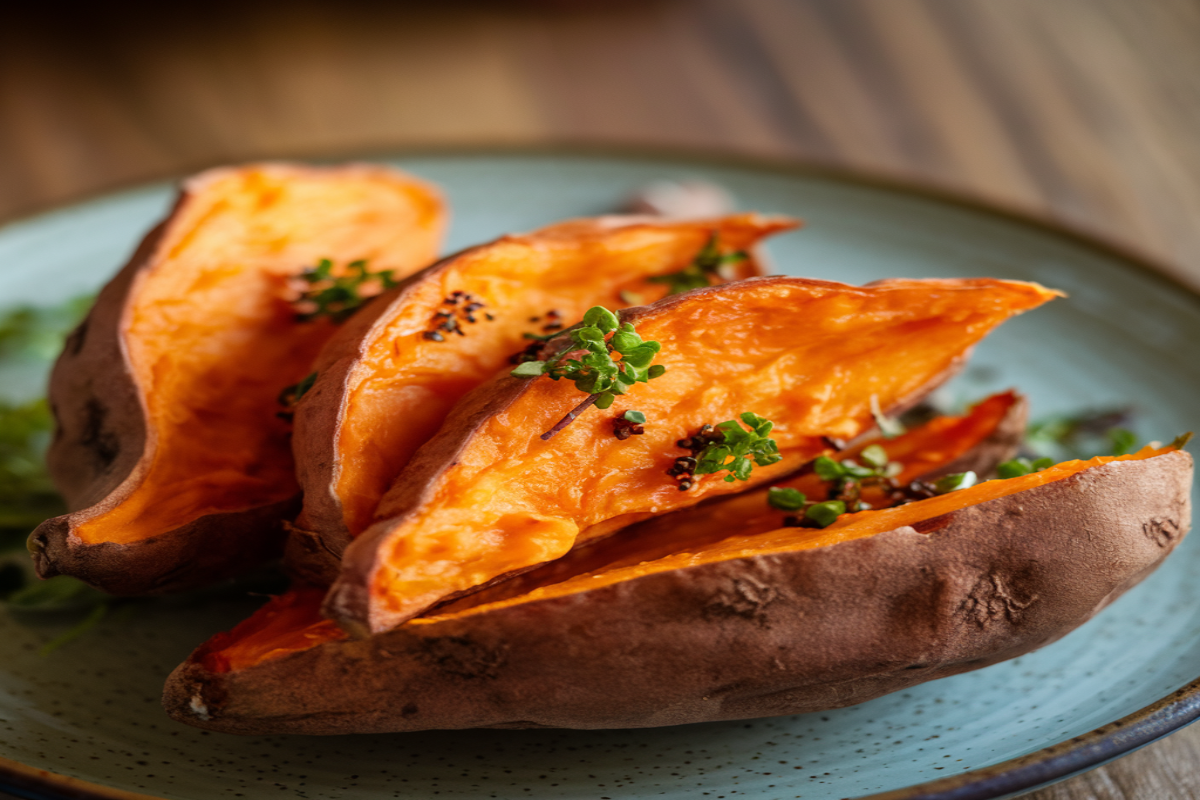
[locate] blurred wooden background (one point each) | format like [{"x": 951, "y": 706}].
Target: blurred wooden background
[{"x": 1082, "y": 111}]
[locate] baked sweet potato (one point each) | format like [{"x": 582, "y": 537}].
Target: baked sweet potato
[
  {"x": 169, "y": 449},
  {"x": 493, "y": 493},
  {"x": 779, "y": 622},
  {"x": 387, "y": 380}
]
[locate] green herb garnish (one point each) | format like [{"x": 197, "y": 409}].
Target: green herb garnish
[
  {"x": 1084, "y": 435},
  {"x": 339, "y": 296},
  {"x": 27, "y": 495},
  {"x": 825, "y": 514},
  {"x": 697, "y": 275},
  {"x": 952, "y": 483},
  {"x": 1022, "y": 466},
  {"x": 595, "y": 372},
  {"x": 786, "y": 499},
  {"x": 37, "y": 333},
  {"x": 740, "y": 448},
  {"x": 889, "y": 427}
]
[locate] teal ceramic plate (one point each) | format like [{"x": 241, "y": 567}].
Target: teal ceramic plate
[{"x": 90, "y": 711}]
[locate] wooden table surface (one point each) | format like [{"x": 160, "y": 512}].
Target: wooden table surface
[{"x": 1085, "y": 112}]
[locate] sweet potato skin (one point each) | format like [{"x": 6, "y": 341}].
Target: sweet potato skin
[
  {"x": 104, "y": 443},
  {"x": 767, "y": 635}
]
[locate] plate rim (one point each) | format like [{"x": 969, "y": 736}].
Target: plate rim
[{"x": 1040, "y": 768}]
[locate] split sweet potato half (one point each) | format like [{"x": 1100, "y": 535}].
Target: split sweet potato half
[
  {"x": 493, "y": 493},
  {"x": 169, "y": 448},
  {"x": 386, "y": 381},
  {"x": 678, "y": 624}
]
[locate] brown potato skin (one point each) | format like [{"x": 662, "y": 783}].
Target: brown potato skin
[
  {"x": 103, "y": 446},
  {"x": 762, "y": 636}
]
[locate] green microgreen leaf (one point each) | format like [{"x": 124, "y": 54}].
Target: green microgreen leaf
[
  {"x": 874, "y": 456},
  {"x": 707, "y": 264},
  {"x": 594, "y": 371},
  {"x": 27, "y": 495},
  {"x": 1022, "y": 466},
  {"x": 786, "y": 499},
  {"x": 952, "y": 483},
  {"x": 636, "y": 417},
  {"x": 529, "y": 369},
  {"x": 1121, "y": 441},
  {"x": 1181, "y": 441},
  {"x": 827, "y": 469},
  {"x": 37, "y": 332},
  {"x": 339, "y": 296},
  {"x": 740, "y": 448},
  {"x": 889, "y": 427},
  {"x": 825, "y": 514},
  {"x": 1083, "y": 435}
]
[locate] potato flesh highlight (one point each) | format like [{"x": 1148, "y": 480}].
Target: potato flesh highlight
[
  {"x": 787, "y": 540},
  {"x": 212, "y": 337},
  {"x": 406, "y": 384},
  {"x": 808, "y": 355},
  {"x": 293, "y": 622}
]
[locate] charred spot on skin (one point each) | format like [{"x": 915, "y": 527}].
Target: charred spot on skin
[
  {"x": 1161, "y": 531},
  {"x": 458, "y": 308},
  {"x": 744, "y": 597},
  {"x": 103, "y": 443},
  {"x": 464, "y": 657}
]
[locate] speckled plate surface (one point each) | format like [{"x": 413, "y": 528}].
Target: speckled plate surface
[{"x": 86, "y": 722}]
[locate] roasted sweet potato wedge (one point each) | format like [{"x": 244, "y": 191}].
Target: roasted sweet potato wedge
[
  {"x": 491, "y": 495},
  {"x": 387, "y": 380},
  {"x": 779, "y": 622},
  {"x": 169, "y": 448},
  {"x": 989, "y": 434}
]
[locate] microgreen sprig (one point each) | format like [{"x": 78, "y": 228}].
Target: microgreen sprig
[
  {"x": 740, "y": 449},
  {"x": 1023, "y": 466},
  {"x": 339, "y": 296},
  {"x": 815, "y": 514},
  {"x": 595, "y": 372},
  {"x": 696, "y": 275}
]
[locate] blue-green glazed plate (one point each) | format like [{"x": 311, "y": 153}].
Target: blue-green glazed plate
[{"x": 85, "y": 721}]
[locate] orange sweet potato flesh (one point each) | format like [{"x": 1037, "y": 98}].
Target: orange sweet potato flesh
[
  {"x": 488, "y": 497},
  {"x": 780, "y": 622},
  {"x": 987, "y": 435},
  {"x": 700, "y": 546},
  {"x": 388, "y": 379},
  {"x": 170, "y": 448}
]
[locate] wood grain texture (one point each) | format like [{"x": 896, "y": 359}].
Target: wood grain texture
[{"x": 1081, "y": 111}]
